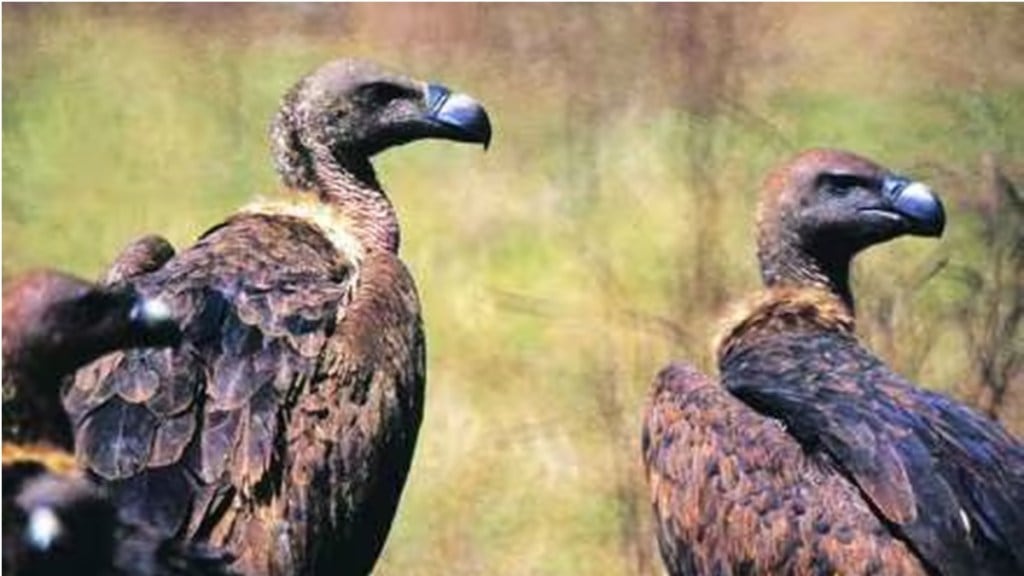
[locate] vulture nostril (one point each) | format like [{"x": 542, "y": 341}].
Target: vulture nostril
[
  {"x": 892, "y": 186},
  {"x": 436, "y": 97}
]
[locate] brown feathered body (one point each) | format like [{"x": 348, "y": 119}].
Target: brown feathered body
[
  {"x": 282, "y": 430},
  {"x": 944, "y": 478},
  {"x": 733, "y": 493},
  {"x": 811, "y": 457},
  {"x": 287, "y": 418},
  {"x": 808, "y": 455}
]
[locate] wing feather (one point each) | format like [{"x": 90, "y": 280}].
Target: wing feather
[
  {"x": 951, "y": 481},
  {"x": 292, "y": 372},
  {"x": 137, "y": 382},
  {"x": 141, "y": 256},
  {"x": 217, "y": 442},
  {"x": 155, "y": 498},
  {"x": 173, "y": 435},
  {"x": 181, "y": 376},
  {"x": 734, "y": 493},
  {"x": 116, "y": 438},
  {"x": 255, "y": 446}
]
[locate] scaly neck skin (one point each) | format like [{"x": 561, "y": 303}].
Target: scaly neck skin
[
  {"x": 784, "y": 262},
  {"x": 351, "y": 185}
]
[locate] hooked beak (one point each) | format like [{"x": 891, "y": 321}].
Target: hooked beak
[
  {"x": 463, "y": 118},
  {"x": 914, "y": 204}
]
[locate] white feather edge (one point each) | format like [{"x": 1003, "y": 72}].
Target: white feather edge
[{"x": 328, "y": 219}]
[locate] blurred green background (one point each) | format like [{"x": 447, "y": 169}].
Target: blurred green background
[{"x": 603, "y": 234}]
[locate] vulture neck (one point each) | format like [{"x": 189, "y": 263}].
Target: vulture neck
[
  {"x": 349, "y": 183},
  {"x": 784, "y": 309},
  {"x": 784, "y": 262}
]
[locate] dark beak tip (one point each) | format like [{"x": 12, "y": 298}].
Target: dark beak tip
[
  {"x": 932, "y": 222},
  {"x": 485, "y": 138}
]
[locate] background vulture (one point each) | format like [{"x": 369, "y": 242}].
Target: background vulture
[
  {"x": 811, "y": 456},
  {"x": 54, "y": 520},
  {"x": 53, "y": 325},
  {"x": 283, "y": 428}
]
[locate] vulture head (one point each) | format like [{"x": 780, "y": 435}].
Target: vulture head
[
  {"x": 55, "y": 323},
  {"x": 349, "y": 110},
  {"x": 823, "y": 207}
]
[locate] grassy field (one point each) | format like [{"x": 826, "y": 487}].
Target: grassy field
[{"x": 608, "y": 227}]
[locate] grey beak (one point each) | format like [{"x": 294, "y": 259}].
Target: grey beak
[
  {"x": 463, "y": 117},
  {"x": 916, "y": 202}
]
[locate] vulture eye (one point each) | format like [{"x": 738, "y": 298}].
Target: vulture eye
[
  {"x": 842, "y": 184},
  {"x": 381, "y": 92}
]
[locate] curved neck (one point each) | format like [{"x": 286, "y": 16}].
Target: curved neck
[
  {"x": 784, "y": 262},
  {"x": 349, "y": 183}
]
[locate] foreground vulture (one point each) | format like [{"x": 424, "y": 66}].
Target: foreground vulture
[
  {"x": 810, "y": 456},
  {"x": 282, "y": 429},
  {"x": 55, "y": 521}
]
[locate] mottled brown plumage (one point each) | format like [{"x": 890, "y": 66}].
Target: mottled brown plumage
[
  {"x": 55, "y": 521},
  {"x": 282, "y": 430},
  {"x": 811, "y": 456},
  {"x": 734, "y": 493},
  {"x": 946, "y": 480}
]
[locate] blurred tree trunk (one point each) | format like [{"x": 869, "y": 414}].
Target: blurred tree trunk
[
  {"x": 585, "y": 59},
  {"x": 701, "y": 41},
  {"x": 991, "y": 317}
]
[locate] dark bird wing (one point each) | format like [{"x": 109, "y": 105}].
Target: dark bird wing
[
  {"x": 145, "y": 254},
  {"x": 56, "y": 522},
  {"x": 950, "y": 481},
  {"x": 733, "y": 493},
  {"x": 300, "y": 374}
]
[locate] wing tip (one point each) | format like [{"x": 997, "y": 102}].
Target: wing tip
[{"x": 680, "y": 377}]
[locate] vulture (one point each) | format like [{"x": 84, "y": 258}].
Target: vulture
[
  {"x": 282, "y": 429},
  {"x": 55, "y": 521},
  {"x": 810, "y": 455}
]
